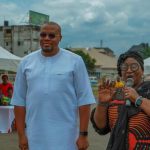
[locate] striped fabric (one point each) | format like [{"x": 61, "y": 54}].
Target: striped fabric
[{"x": 139, "y": 129}]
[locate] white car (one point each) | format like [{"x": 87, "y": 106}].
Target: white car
[{"x": 93, "y": 80}]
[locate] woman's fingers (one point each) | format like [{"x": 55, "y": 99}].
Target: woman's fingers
[{"x": 105, "y": 83}]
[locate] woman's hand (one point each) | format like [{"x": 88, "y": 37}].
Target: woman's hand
[
  {"x": 131, "y": 94},
  {"x": 106, "y": 91}
]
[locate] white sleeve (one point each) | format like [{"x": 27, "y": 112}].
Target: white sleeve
[
  {"x": 20, "y": 88},
  {"x": 82, "y": 84}
]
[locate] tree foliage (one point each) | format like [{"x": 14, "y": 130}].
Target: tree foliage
[
  {"x": 146, "y": 53},
  {"x": 88, "y": 60}
]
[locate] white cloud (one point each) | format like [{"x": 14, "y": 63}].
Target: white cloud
[
  {"x": 11, "y": 12},
  {"x": 119, "y": 23},
  {"x": 7, "y": 6}
]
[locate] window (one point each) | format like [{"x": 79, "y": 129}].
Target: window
[
  {"x": 20, "y": 43},
  {"x": 7, "y": 31},
  {"x": 6, "y": 43}
]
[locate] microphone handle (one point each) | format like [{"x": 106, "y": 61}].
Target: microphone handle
[
  {"x": 131, "y": 81},
  {"x": 128, "y": 102}
]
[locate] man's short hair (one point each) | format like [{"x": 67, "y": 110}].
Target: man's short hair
[{"x": 52, "y": 23}]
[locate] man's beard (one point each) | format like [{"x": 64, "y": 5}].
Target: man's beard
[{"x": 48, "y": 49}]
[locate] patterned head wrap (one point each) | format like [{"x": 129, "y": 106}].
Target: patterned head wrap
[{"x": 129, "y": 54}]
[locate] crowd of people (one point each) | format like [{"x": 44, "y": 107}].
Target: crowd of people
[{"x": 52, "y": 98}]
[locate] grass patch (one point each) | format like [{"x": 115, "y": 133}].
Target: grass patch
[{"x": 95, "y": 91}]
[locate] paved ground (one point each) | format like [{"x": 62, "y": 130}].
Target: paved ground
[
  {"x": 9, "y": 141},
  {"x": 97, "y": 142}
]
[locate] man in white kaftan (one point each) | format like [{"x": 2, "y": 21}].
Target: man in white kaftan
[{"x": 53, "y": 91}]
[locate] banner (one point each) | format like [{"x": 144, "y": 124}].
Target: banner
[{"x": 36, "y": 18}]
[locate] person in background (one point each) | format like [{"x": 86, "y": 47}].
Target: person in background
[
  {"x": 5, "y": 89},
  {"x": 7, "y": 99},
  {"x": 129, "y": 123},
  {"x": 51, "y": 90},
  {"x": 5, "y": 85},
  {"x": 10, "y": 92},
  {"x": 1, "y": 95}
]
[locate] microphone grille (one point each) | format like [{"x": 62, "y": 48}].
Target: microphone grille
[{"x": 130, "y": 82}]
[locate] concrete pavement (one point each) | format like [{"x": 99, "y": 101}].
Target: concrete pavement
[{"x": 97, "y": 142}]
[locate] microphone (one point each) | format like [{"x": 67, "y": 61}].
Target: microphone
[{"x": 129, "y": 83}]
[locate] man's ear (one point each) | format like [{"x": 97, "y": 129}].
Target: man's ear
[{"x": 60, "y": 38}]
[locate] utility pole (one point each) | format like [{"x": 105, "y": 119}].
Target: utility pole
[{"x": 101, "y": 43}]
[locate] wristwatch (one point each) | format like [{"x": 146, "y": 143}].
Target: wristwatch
[
  {"x": 83, "y": 133},
  {"x": 139, "y": 101}
]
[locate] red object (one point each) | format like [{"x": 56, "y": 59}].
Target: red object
[
  {"x": 4, "y": 88},
  {"x": 119, "y": 102},
  {"x": 132, "y": 141}
]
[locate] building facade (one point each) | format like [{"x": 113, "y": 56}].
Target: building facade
[
  {"x": 19, "y": 39},
  {"x": 106, "y": 62}
]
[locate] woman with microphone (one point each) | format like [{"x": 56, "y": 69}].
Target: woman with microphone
[{"x": 125, "y": 114}]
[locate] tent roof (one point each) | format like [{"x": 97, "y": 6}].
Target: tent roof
[
  {"x": 8, "y": 61},
  {"x": 4, "y": 54},
  {"x": 147, "y": 66},
  {"x": 147, "y": 61}
]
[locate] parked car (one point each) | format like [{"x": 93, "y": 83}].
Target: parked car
[{"x": 93, "y": 80}]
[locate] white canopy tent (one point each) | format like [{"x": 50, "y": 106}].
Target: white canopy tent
[
  {"x": 147, "y": 66},
  {"x": 8, "y": 61}
]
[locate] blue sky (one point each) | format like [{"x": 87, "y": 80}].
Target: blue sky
[{"x": 119, "y": 23}]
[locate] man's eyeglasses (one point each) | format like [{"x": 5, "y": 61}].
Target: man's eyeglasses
[
  {"x": 50, "y": 35},
  {"x": 133, "y": 67}
]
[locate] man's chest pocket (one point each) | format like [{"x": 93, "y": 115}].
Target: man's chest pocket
[{"x": 60, "y": 80}]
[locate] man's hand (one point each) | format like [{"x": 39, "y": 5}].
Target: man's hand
[
  {"x": 82, "y": 142},
  {"x": 23, "y": 143}
]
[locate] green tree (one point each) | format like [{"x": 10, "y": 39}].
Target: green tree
[
  {"x": 88, "y": 60},
  {"x": 146, "y": 53}
]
